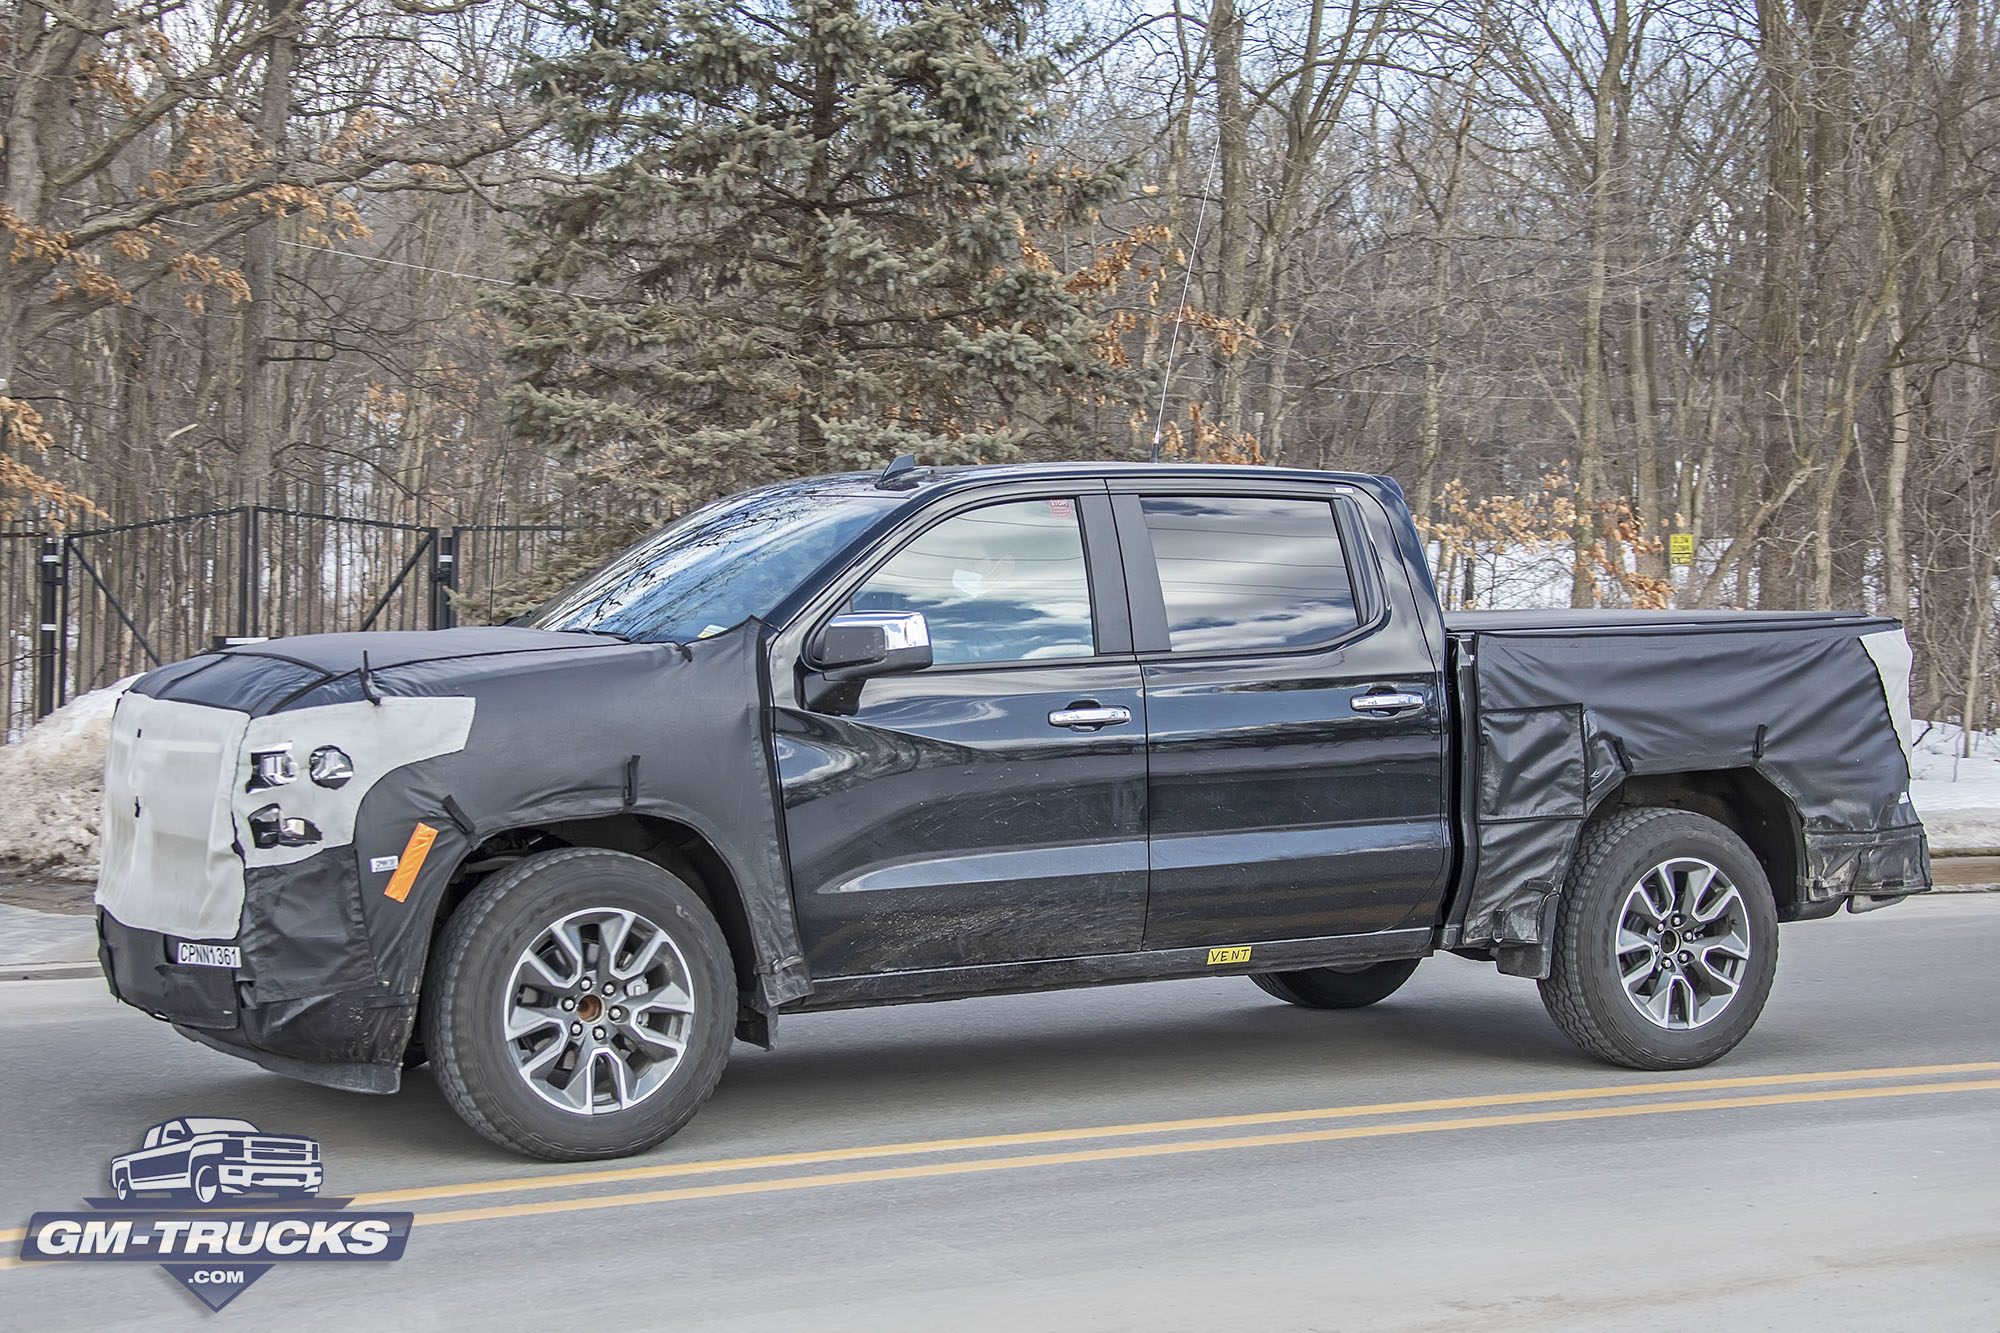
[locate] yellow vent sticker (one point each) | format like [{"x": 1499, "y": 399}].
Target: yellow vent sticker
[
  {"x": 1234, "y": 953},
  {"x": 412, "y": 860}
]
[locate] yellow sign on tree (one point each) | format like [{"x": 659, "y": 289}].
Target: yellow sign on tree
[{"x": 1680, "y": 548}]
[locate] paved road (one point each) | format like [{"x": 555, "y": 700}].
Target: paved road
[{"x": 1512, "y": 1184}]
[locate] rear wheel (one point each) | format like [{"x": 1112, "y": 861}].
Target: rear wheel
[
  {"x": 1337, "y": 988},
  {"x": 583, "y": 1007},
  {"x": 1666, "y": 941}
]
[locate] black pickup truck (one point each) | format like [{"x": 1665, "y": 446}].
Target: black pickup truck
[{"x": 873, "y": 739}]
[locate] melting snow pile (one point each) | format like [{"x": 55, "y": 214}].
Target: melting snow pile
[
  {"x": 1958, "y": 796},
  {"x": 52, "y": 787}
]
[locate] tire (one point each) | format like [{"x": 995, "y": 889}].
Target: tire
[
  {"x": 616, "y": 1085},
  {"x": 1680, "y": 906},
  {"x": 1335, "y": 988},
  {"x": 121, "y": 1183},
  {"x": 207, "y": 1185}
]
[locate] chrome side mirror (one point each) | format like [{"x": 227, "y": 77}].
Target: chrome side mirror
[{"x": 858, "y": 644}]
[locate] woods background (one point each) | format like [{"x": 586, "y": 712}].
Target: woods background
[{"x": 1578, "y": 274}]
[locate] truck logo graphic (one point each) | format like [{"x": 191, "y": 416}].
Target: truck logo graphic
[
  {"x": 204, "y": 1159},
  {"x": 217, "y": 1203}
]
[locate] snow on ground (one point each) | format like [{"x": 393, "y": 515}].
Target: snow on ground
[
  {"x": 1957, "y": 797},
  {"x": 52, "y": 787}
]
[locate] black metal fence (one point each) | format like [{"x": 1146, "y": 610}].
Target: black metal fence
[{"x": 85, "y": 608}]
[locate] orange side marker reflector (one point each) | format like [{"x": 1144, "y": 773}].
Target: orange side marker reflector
[{"x": 412, "y": 860}]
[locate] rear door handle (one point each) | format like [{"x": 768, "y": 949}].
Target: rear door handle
[
  {"x": 1089, "y": 717},
  {"x": 1391, "y": 702}
]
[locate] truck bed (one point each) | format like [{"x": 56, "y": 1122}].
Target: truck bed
[{"x": 1805, "y": 711}]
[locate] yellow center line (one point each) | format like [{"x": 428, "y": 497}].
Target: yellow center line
[
  {"x": 1184, "y": 1146},
  {"x": 668, "y": 1170},
  {"x": 772, "y": 1186},
  {"x": 382, "y": 1198}
]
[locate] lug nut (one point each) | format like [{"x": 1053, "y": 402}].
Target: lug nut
[
  {"x": 610, "y": 988},
  {"x": 1687, "y": 958},
  {"x": 568, "y": 1002},
  {"x": 597, "y": 1033},
  {"x": 618, "y": 1015},
  {"x": 576, "y": 1029}
]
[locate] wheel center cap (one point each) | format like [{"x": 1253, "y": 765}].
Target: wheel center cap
[
  {"x": 1669, "y": 941},
  {"x": 588, "y": 1008}
]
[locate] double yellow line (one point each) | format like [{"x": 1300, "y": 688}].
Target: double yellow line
[
  {"x": 770, "y": 1185},
  {"x": 1793, "y": 1093}
]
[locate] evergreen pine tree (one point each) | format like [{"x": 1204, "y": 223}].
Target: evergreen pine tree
[{"x": 802, "y": 244}]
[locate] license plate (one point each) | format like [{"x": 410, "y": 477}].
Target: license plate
[{"x": 209, "y": 955}]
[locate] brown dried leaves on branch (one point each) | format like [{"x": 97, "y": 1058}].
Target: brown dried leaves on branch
[
  {"x": 1203, "y": 441},
  {"x": 24, "y": 491},
  {"x": 1545, "y": 520}
]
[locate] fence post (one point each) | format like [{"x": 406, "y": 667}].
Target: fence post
[
  {"x": 256, "y": 629},
  {"x": 444, "y": 578},
  {"x": 245, "y": 556},
  {"x": 51, "y": 627}
]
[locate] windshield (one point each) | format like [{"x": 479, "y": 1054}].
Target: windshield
[
  {"x": 720, "y": 565},
  {"x": 214, "y": 1124}
]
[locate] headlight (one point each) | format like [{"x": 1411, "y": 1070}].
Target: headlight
[
  {"x": 330, "y": 766},
  {"x": 270, "y": 828},
  {"x": 271, "y": 768}
]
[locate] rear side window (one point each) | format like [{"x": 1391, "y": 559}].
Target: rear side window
[
  {"x": 1001, "y": 584},
  {"x": 1239, "y": 572}
]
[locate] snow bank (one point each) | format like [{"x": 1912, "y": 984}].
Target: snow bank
[
  {"x": 52, "y": 787},
  {"x": 1958, "y": 798}
]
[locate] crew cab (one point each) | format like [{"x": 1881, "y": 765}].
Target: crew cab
[
  {"x": 934, "y": 733},
  {"x": 206, "y": 1157}
]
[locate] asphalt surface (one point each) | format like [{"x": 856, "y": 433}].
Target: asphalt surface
[{"x": 1445, "y": 1159}]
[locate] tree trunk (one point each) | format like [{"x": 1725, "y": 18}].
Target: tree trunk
[
  {"x": 1607, "y": 104},
  {"x": 1232, "y": 131},
  {"x": 1646, "y": 489},
  {"x": 258, "y": 412}
]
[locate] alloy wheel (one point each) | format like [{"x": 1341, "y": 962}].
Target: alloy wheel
[
  {"x": 598, "y": 1011},
  {"x": 1682, "y": 946}
]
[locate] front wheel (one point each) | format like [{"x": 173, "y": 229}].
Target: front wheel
[
  {"x": 207, "y": 1185},
  {"x": 581, "y": 1005},
  {"x": 1337, "y": 988},
  {"x": 1666, "y": 941}
]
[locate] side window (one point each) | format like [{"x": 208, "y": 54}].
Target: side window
[
  {"x": 1001, "y": 584},
  {"x": 1244, "y": 573}
]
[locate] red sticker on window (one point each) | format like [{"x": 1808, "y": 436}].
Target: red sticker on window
[{"x": 1063, "y": 508}]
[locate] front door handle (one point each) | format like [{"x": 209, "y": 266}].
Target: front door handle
[
  {"x": 1089, "y": 717},
  {"x": 1394, "y": 701}
]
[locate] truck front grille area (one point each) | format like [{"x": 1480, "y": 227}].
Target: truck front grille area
[
  {"x": 278, "y": 1150},
  {"x": 168, "y": 846}
]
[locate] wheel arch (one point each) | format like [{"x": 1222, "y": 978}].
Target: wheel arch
[
  {"x": 674, "y": 846},
  {"x": 1743, "y": 801}
]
